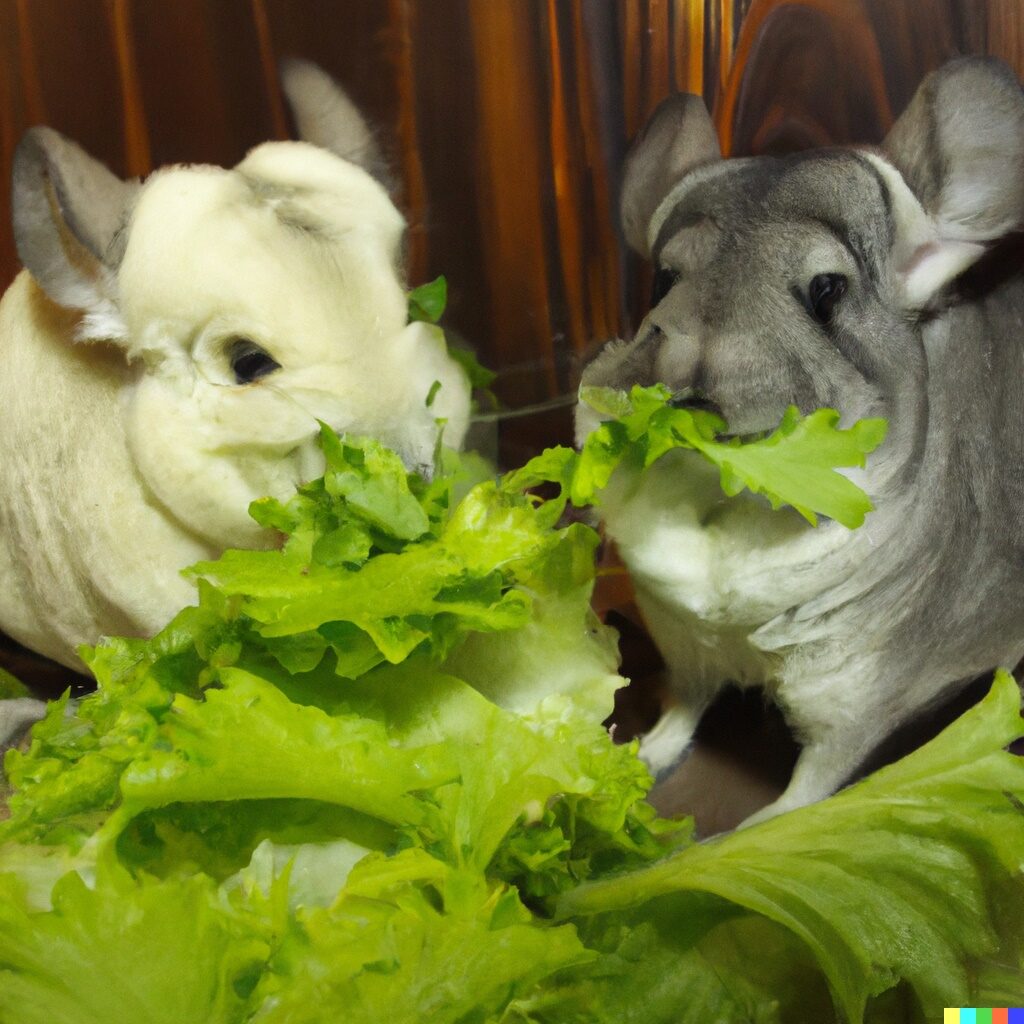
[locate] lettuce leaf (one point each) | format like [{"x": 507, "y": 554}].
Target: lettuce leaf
[
  {"x": 163, "y": 953},
  {"x": 913, "y": 874},
  {"x": 794, "y": 465},
  {"x": 11, "y": 687},
  {"x": 427, "y": 301},
  {"x": 412, "y": 940},
  {"x": 366, "y": 775}
]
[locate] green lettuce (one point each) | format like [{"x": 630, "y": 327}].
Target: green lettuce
[
  {"x": 10, "y": 687},
  {"x": 794, "y": 465},
  {"x": 125, "y": 950},
  {"x": 427, "y": 304},
  {"x": 366, "y": 776},
  {"x": 912, "y": 875}
]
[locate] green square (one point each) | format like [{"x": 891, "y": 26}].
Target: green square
[{"x": 984, "y": 1016}]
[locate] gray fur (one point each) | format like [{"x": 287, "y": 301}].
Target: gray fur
[
  {"x": 679, "y": 138},
  {"x": 853, "y": 633},
  {"x": 17, "y": 716},
  {"x": 68, "y": 211}
]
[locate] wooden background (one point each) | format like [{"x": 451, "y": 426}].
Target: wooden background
[{"x": 506, "y": 121}]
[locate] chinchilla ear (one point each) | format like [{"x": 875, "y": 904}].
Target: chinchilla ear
[
  {"x": 326, "y": 117},
  {"x": 678, "y": 138},
  {"x": 70, "y": 217},
  {"x": 960, "y": 148}
]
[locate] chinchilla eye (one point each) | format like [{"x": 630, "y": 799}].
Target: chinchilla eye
[
  {"x": 250, "y": 362},
  {"x": 825, "y": 291},
  {"x": 663, "y": 281}
]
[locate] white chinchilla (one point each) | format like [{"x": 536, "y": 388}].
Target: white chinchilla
[{"x": 167, "y": 353}]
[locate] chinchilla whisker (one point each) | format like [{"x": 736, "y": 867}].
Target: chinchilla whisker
[{"x": 526, "y": 410}]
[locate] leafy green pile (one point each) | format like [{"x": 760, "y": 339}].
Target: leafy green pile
[{"x": 366, "y": 777}]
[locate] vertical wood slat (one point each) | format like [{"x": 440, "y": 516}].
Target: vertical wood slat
[
  {"x": 566, "y": 171},
  {"x": 200, "y": 78},
  {"x": 657, "y": 65},
  {"x": 12, "y": 121},
  {"x": 726, "y": 43},
  {"x": 597, "y": 187},
  {"x": 414, "y": 187},
  {"x": 444, "y": 114},
  {"x": 510, "y": 189},
  {"x": 632, "y": 29},
  {"x": 586, "y": 247},
  {"x": 70, "y": 75},
  {"x": 268, "y": 64},
  {"x": 35, "y": 107},
  {"x": 688, "y": 45},
  {"x": 712, "y": 52},
  {"x": 1005, "y": 32},
  {"x": 137, "y": 157}
]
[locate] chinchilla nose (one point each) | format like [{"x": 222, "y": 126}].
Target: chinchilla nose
[
  {"x": 674, "y": 353},
  {"x": 621, "y": 364}
]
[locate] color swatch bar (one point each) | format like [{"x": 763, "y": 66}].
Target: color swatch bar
[{"x": 967, "y": 1015}]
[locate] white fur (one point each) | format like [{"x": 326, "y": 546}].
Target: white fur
[
  {"x": 134, "y": 454},
  {"x": 722, "y": 583},
  {"x": 728, "y": 566}
]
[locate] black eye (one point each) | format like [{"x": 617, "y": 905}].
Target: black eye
[
  {"x": 249, "y": 362},
  {"x": 663, "y": 281},
  {"x": 825, "y": 291}
]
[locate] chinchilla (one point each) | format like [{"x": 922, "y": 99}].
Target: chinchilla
[
  {"x": 879, "y": 282},
  {"x": 170, "y": 350}
]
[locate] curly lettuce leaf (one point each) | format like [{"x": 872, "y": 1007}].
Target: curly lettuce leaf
[
  {"x": 292, "y": 751},
  {"x": 160, "y": 952},
  {"x": 430, "y": 591},
  {"x": 409, "y": 940},
  {"x": 913, "y": 874},
  {"x": 655, "y": 974},
  {"x": 795, "y": 465},
  {"x": 449, "y": 688}
]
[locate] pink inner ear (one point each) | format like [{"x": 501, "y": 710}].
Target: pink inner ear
[{"x": 932, "y": 266}]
